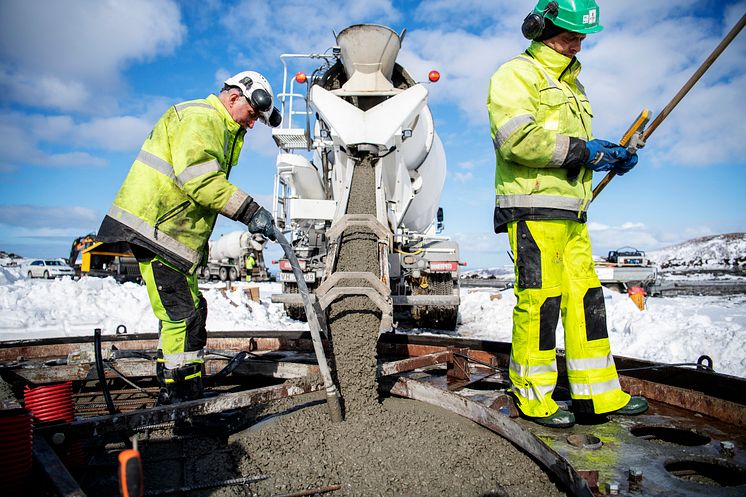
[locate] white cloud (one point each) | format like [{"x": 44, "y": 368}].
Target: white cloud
[
  {"x": 65, "y": 53},
  {"x": 468, "y": 165},
  {"x": 125, "y": 133},
  {"x": 34, "y": 217},
  {"x": 463, "y": 177},
  {"x": 297, "y": 25}
]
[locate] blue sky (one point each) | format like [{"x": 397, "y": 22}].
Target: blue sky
[{"x": 82, "y": 83}]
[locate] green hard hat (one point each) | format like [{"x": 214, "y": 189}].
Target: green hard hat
[{"x": 579, "y": 16}]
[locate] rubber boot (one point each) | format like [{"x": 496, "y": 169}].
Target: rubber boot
[
  {"x": 636, "y": 405},
  {"x": 560, "y": 419}
]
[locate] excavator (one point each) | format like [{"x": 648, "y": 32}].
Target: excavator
[{"x": 102, "y": 259}]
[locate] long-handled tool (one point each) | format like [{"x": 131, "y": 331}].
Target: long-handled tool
[
  {"x": 130, "y": 472},
  {"x": 333, "y": 398},
  {"x": 679, "y": 96}
]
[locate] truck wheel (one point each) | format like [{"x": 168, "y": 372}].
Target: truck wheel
[
  {"x": 46, "y": 275},
  {"x": 30, "y": 274},
  {"x": 233, "y": 274},
  {"x": 223, "y": 273}
]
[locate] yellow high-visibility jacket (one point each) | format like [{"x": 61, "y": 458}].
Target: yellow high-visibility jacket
[
  {"x": 536, "y": 104},
  {"x": 178, "y": 184}
]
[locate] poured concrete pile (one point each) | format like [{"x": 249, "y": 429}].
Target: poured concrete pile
[
  {"x": 406, "y": 448},
  {"x": 398, "y": 447}
]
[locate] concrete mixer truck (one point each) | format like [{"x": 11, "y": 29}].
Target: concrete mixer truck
[
  {"x": 228, "y": 254},
  {"x": 358, "y": 159}
]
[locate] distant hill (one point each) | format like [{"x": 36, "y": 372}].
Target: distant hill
[{"x": 726, "y": 251}]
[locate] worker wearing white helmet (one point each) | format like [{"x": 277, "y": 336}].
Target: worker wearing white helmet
[
  {"x": 540, "y": 120},
  {"x": 167, "y": 208}
]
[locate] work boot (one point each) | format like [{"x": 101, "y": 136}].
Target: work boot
[
  {"x": 636, "y": 405},
  {"x": 180, "y": 384},
  {"x": 560, "y": 419}
]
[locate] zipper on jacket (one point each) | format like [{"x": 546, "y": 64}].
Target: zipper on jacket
[
  {"x": 229, "y": 165},
  {"x": 170, "y": 214}
]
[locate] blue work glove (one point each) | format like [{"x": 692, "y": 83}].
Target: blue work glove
[
  {"x": 603, "y": 155},
  {"x": 623, "y": 167},
  {"x": 262, "y": 222}
]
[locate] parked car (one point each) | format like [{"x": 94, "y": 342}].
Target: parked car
[{"x": 49, "y": 268}]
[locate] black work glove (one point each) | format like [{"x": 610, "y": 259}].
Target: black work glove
[{"x": 262, "y": 222}]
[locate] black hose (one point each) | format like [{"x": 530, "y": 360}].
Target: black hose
[
  {"x": 228, "y": 369},
  {"x": 100, "y": 370}
]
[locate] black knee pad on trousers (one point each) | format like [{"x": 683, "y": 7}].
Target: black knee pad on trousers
[
  {"x": 528, "y": 258},
  {"x": 173, "y": 291},
  {"x": 196, "y": 327},
  {"x": 595, "y": 314}
]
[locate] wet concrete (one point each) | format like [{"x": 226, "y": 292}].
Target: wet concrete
[
  {"x": 354, "y": 321},
  {"x": 407, "y": 448}
]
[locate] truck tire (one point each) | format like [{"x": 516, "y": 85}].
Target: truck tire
[
  {"x": 46, "y": 275},
  {"x": 30, "y": 274},
  {"x": 443, "y": 317},
  {"x": 232, "y": 274},
  {"x": 223, "y": 273}
]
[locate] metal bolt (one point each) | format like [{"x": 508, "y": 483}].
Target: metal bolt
[
  {"x": 728, "y": 448},
  {"x": 58, "y": 438},
  {"x": 635, "y": 478},
  {"x": 613, "y": 488}
]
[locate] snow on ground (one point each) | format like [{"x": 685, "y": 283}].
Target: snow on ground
[{"x": 670, "y": 330}]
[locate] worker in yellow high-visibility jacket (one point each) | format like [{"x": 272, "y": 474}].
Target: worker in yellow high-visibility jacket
[
  {"x": 540, "y": 121},
  {"x": 250, "y": 263},
  {"x": 167, "y": 207}
]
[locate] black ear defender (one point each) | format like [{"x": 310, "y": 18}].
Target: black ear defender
[{"x": 533, "y": 24}]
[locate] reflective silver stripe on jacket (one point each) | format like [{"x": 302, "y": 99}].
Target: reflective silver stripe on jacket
[
  {"x": 534, "y": 63},
  {"x": 197, "y": 170},
  {"x": 146, "y": 230},
  {"x": 167, "y": 169},
  {"x": 524, "y": 371},
  {"x": 548, "y": 201},
  {"x": 234, "y": 203},
  {"x": 590, "y": 363},
  {"x": 595, "y": 388},
  {"x": 184, "y": 105},
  {"x": 559, "y": 154},
  {"x": 156, "y": 163},
  {"x": 173, "y": 361},
  {"x": 534, "y": 392},
  {"x": 511, "y": 126}
]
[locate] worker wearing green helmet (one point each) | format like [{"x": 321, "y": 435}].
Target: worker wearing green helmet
[{"x": 540, "y": 122}]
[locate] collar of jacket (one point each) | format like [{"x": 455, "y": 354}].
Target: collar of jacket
[
  {"x": 554, "y": 62},
  {"x": 232, "y": 125}
]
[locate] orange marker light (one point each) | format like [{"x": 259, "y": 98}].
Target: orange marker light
[
  {"x": 300, "y": 77},
  {"x": 434, "y": 76}
]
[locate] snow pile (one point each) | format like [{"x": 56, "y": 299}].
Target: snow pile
[
  {"x": 670, "y": 330},
  {"x": 711, "y": 252},
  {"x": 10, "y": 268},
  {"x": 64, "y": 307},
  {"x": 500, "y": 273}
]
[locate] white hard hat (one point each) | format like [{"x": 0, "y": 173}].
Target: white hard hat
[{"x": 258, "y": 91}]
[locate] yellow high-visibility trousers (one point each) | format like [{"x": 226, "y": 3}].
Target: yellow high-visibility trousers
[{"x": 555, "y": 275}]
